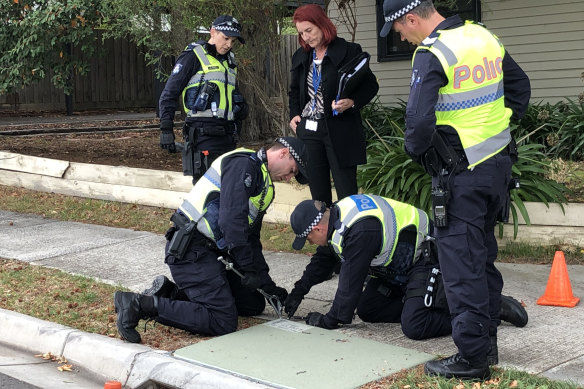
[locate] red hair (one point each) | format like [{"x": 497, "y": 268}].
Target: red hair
[{"x": 315, "y": 14}]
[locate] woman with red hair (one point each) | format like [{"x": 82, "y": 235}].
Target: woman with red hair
[{"x": 331, "y": 130}]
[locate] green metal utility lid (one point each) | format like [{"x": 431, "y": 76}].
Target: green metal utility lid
[{"x": 288, "y": 354}]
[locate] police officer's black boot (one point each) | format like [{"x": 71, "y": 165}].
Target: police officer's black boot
[
  {"x": 455, "y": 366},
  {"x": 513, "y": 312},
  {"x": 131, "y": 307},
  {"x": 493, "y": 354},
  {"x": 161, "y": 287}
]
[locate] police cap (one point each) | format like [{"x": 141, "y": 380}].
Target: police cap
[
  {"x": 300, "y": 154},
  {"x": 395, "y": 9},
  {"x": 304, "y": 218},
  {"x": 229, "y": 26}
]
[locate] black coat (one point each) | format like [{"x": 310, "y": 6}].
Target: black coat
[{"x": 346, "y": 129}]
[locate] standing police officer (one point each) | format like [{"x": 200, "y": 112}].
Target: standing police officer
[
  {"x": 465, "y": 88},
  {"x": 204, "y": 80},
  {"x": 388, "y": 240},
  {"x": 222, "y": 215}
]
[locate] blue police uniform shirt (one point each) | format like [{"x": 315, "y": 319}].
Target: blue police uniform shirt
[{"x": 428, "y": 77}]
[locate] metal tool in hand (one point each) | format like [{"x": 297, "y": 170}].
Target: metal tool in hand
[{"x": 273, "y": 300}]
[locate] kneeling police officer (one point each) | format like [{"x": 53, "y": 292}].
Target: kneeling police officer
[
  {"x": 221, "y": 216},
  {"x": 204, "y": 81},
  {"x": 386, "y": 243}
]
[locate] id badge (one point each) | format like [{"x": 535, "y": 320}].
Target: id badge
[{"x": 311, "y": 125}]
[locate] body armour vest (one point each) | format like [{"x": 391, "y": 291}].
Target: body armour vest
[
  {"x": 394, "y": 217},
  {"x": 196, "y": 203},
  {"x": 473, "y": 101},
  {"x": 217, "y": 79}
]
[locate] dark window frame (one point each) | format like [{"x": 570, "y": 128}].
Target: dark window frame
[{"x": 388, "y": 51}]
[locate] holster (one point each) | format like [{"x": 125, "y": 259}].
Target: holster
[
  {"x": 441, "y": 158},
  {"x": 182, "y": 236}
]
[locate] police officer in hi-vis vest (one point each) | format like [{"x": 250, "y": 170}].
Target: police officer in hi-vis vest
[
  {"x": 465, "y": 89},
  {"x": 203, "y": 83},
  {"x": 221, "y": 216},
  {"x": 385, "y": 243}
]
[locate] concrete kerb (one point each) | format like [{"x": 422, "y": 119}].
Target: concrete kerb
[{"x": 107, "y": 358}]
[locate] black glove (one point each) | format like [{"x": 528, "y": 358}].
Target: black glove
[
  {"x": 277, "y": 291},
  {"x": 292, "y": 302},
  {"x": 167, "y": 136},
  {"x": 251, "y": 279},
  {"x": 317, "y": 319}
]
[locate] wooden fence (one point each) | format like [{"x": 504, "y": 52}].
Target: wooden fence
[{"x": 118, "y": 79}]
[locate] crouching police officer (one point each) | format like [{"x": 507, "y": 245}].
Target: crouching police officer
[
  {"x": 388, "y": 241},
  {"x": 204, "y": 78},
  {"x": 222, "y": 215}
]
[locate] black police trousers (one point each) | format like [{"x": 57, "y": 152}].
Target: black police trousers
[
  {"x": 214, "y": 297},
  {"x": 384, "y": 303},
  {"x": 204, "y": 143},
  {"x": 467, "y": 250}
]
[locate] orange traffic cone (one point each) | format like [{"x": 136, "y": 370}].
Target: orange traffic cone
[
  {"x": 112, "y": 385},
  {"x": 559, "y": 290}
]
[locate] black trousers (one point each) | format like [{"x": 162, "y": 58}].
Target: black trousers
[
  {"x": 322, "y": 161},
  {"x": 212, "y": 298},
  {"x": 384, "y": 303},
  {"x": 467, "y": 250}
]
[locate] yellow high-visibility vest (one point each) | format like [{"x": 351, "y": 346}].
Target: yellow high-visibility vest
[
  {"x": 473, "y": 100},
  {"x": 394, "y": 216},
  {"x": 194, "y": 203},
  {"x": 217, "y": 72}
]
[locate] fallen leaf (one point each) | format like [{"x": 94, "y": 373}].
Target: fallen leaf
[
  {"x": 513, "y": 384},
  {"x": 65, "y": 368}
]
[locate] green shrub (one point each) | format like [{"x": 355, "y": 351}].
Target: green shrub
[
  {"x": 390, "y": 172},
  {"x": 558, "y": 127}
]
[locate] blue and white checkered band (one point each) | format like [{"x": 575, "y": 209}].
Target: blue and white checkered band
[
  {"x": 399, "y": 13},
  {"x": 311, "y": 226},
  {"x": 292, "y": 151},
  {"x": 224, "y": 27}
]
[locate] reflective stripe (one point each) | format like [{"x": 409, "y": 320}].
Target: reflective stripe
[
  {"x": 202, "y": 55},
  {"x": 385, "y": 213},
  {"x": 190, "y": 211},
  {"x": 384, "y": 256},
  {"x": 208, "y": 114},
  {"x": 446, "y": 52},
  {"x": 213, "y": 176},
  {"x": 481, "y": 151},
  {"x": 423, "y": 231},
  {"x": 473, "y": 98}
]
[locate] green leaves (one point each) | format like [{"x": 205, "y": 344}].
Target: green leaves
[
  {"x": 40, "y": 36},
  {"x": 390, "y": 172}
]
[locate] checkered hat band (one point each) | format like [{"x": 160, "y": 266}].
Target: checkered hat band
[
  {"x": 225, "y": 28},
  {"x": 398, "y": 14},
  {"x": 292, "y": 151},
  {"x": 311, "y": 226}
]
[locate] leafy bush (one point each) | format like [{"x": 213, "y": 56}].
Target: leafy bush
[
  {"x": 558, "y": 127},
  {"x": 390, "y": 172}
]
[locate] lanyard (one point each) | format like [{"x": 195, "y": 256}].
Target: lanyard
[{"x": 316, "y": 76}]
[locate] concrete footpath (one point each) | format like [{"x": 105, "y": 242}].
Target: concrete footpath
[{"x": 550, "y": 344}]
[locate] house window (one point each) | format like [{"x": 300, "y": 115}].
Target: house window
[{"x": 391, "y": 48}]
